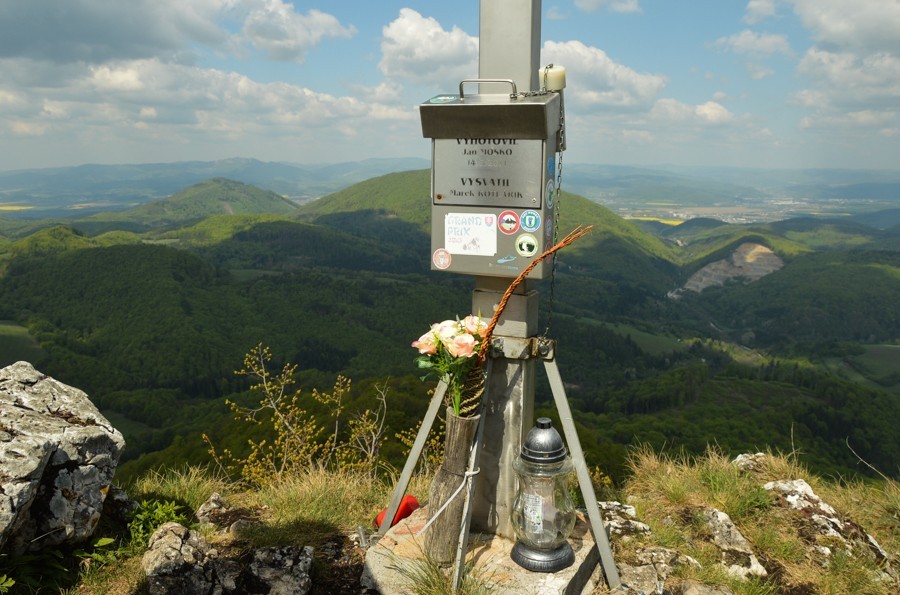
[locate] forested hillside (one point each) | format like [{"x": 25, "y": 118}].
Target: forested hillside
[
  {"x": 218, "y": 195},
  {"x": 149, "y": 311}
]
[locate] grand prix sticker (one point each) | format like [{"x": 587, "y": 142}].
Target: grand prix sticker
[
  {"x": 470, "y": 233},
  {"x": 441, "y": 259},
  {"x": 530, "y": 220},
  {"x": 526, "y": 245},
  {"x": 508, "y": 222}
]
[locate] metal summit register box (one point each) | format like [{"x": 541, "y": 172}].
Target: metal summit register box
[{"x": 493, "y": 180}]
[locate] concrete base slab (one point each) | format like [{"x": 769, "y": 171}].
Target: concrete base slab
[{"x": 400, "y": 549}]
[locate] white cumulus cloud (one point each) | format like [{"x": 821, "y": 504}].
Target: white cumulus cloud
[
  {"x": 671, "y": 110},
  {"x": 109, "y": 78},
  {"x": 96, "y": 31},
  {"x": 757, "y": 10},
  {"x": 276, "y": 28},
  {"x": 713, "y": 113},
  {"x": 612, "y": 5},
  {"x": 749, "y": 42},
  {"x": 854, "y": 81},
  {"x": 852, "y": 72},
  {"x": 418, "y": 47},
  {"x": 555, "y": 13},
  {"x": 872, "y": 117},
  {"x": 595, "y": 80},
  {"x": 668, "y": 110},
  {"x": 866, "y": 25}
]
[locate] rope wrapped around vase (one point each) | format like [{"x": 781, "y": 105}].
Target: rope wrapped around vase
[{"x": 473, "y": 386}]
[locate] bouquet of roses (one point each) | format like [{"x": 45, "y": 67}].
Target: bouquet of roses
[{"x": 448, "y": 350}]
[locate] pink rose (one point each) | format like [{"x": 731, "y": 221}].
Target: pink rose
[
  {"x": 446, "y": 330},
  {"x": 427, "y": 344},
  {"x": 462, "y": 346},
  {"x": 474, "y": 325}
]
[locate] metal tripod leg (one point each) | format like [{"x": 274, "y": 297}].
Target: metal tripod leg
[
  {"x": 584, "y": 479},
  {"x": 413, "y": 458}
]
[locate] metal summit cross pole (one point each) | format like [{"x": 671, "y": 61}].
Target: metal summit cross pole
[
  {"x": 493, "y": 205},
  {"x": 509, "y": 41}
]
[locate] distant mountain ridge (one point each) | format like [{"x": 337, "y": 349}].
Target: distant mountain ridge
[
  {"x": 383, "y": 224},
  {"x": 92, "y": 188},
  {"x": 210, "y": 197},
  {"x": 86, "y": 189}
]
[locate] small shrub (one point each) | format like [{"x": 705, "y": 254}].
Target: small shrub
[
  {"x": 151, "y": 515},
  {"x": 100, "y": 553},
  {"x": 296, "y": 445},
  {"x": 299, "y": 443}
]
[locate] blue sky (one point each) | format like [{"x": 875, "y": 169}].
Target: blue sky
[{"x": 759, "y": 83}]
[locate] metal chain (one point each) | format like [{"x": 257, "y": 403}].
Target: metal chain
[
  {"x": 543, "y": 90},
  {"x": 559, "y": 169},
  {"x": 561, "y": 143}
]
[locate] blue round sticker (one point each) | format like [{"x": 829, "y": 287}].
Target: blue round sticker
[{"x": 530, "y": 220}]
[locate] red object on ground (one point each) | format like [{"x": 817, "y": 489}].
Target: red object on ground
[{"x": 407, "y": 505}]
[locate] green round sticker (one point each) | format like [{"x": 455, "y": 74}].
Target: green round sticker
[{"x": 526, "y": 245}]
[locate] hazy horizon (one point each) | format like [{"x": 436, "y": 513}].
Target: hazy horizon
[{"x": 426, "y": 161}]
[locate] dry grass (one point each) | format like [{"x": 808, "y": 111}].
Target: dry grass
[
  {"x": 874, "y": 505},
  {"x": 426, "y": 577},
  {"x": 669, "y": 490},
  {"x": 189, "y": 486},
  {"x": 124, "y": 578},
  {"x": 665, "y": 485},
  {"x": 311, "y": 508}
]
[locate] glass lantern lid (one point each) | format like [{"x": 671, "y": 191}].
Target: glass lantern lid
[{"x": 543, "y": 444}]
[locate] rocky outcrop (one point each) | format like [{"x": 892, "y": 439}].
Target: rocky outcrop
[
  {"x": 749, "y": 261},
  {"x": 736, "y": 552},
  {"x": 180, "y": 560},
  {"x": 819, "y": 518},
  {"x": 58, "y": 455},
  {"x": 620, "y": 520},
  {"x": 648, "y": 570}
]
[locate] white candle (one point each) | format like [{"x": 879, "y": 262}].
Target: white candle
[{"x": 553, "y": 78}]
